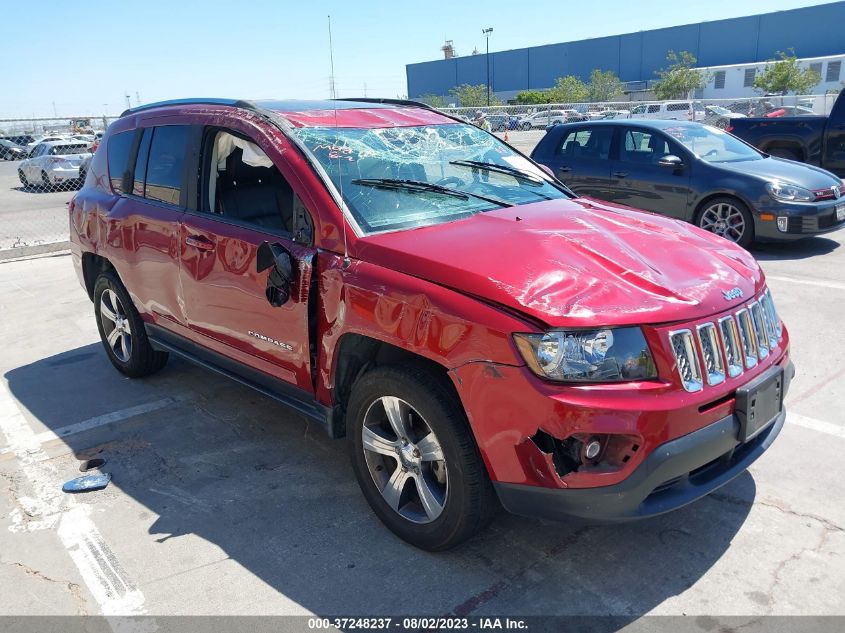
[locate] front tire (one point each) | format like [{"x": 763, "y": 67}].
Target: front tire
[
  {"x": 23, "y": 179},
  {"x": 122, "y": 330},
  {"x": 727, "y": 217},
  {"x": 415, "y": 457}
]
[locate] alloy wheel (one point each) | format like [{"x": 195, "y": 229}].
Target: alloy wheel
[
  {"x": 725, "y": 220},
  {"x": 405, "y": 459},
  {"x": 116, "y": 327}
]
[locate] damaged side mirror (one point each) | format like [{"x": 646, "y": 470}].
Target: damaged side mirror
[{"x": 277, "y": 259}]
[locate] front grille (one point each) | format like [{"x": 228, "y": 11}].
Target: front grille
[{"x": 729, "y": 346}]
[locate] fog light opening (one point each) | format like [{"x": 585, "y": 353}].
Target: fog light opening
[
  {"x": 783, "y": 223},
  {"x": 592, "y": 449}
]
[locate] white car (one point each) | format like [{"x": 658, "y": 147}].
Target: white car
[
  {"x": 672, "y": 110},
  {"x": 44, "y": 139},
  {"x": 53, "y": 163},
  {"x": 542, "y": 119}
]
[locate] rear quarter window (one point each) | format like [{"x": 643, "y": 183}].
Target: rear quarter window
[
  {"x": 166, "y": 162},
  {"x": 119, "y": 149}
]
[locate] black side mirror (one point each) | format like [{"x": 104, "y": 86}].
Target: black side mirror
[
  {"x": 671, "y": 161},
  {"x": 277, "y": 259}
]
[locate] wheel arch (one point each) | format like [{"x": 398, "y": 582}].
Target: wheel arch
[
  {"x": 358, "y": 353},
  {"x": 699, "y": 207},
  {"x": 793, "y": 145},
  {"x": 92, "y": 266}
]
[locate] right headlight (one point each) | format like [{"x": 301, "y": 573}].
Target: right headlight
[
  {"x": 789, "y": 193},
  {"x": 600, "y": 355}
]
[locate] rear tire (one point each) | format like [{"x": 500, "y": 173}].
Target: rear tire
[
  {"x": 421, "y": 471},
  {"x": 727, "y": 217},
  {"x": 122, "y": 330},
  {"x": 45, "y": 180}
]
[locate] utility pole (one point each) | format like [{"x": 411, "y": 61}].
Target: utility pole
[{"x": 486, "y": 33}]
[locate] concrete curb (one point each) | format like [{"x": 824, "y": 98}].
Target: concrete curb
[{"x": 25, "y": 252}]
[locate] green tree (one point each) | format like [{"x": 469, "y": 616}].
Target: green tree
[
  {"x": 468, "y": 96},
  {"x": 569, "y": 89},
  {"x": 784, "y": 76},
  {"x": 435, "y": 101},
  {"x": 604, "y": 85},
  {"x": 679, "y": 78},
  {"x": 532, "y": 97}
]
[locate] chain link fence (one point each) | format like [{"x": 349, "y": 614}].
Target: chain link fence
[
  {"x": 42, "y": 164},
  {"x": 44, "y": 161}
]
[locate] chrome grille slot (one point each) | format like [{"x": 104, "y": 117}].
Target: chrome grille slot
[
  {"x": 711, "y": 353},
  {"x": 774, "y": 319},
  {"x": 686, "y": 359},
  {"x": 730, "y": 343},
  {"x": 756, "y": 312},
  {"x": 747, "y": 338}
]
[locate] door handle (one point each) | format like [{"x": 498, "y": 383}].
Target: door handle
[
  {"x": 200, "y": 242},
  {"x": 620, "y": 174},
  {"x": 565, "y": 169}
]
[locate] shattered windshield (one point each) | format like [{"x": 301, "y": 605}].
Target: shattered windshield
[{"x": 405, "y": 177}]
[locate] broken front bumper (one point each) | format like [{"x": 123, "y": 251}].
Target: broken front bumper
[{"x": 675, "y": 474}]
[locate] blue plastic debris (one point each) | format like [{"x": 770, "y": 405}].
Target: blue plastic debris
[{"x": 87, "y": 483}]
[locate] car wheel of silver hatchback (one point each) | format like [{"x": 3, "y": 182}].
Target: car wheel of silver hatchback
[
  {"x": 729, "y": 219},
  {"x": 405, "y": 460}
]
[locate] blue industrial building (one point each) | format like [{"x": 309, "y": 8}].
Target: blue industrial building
[{"x": 815, "y": 31}]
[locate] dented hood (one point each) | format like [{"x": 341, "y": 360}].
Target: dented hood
[{"x": 576, "y": 263}]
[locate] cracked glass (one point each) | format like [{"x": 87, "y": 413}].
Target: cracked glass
[{"x": 405, "y": 177}]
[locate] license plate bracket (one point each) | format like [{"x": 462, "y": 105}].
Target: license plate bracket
[
  {"x": 759, "y": 402},
  {"x": 840, "y": 212}
]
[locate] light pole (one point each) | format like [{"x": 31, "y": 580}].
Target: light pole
[{"x": 486, "y": 33}]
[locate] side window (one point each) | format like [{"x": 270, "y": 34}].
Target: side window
[
  {"x": 587, "y": 143},
  {"x": 653, "y": 108},
  {"x": 141, "y": 163},
  {"x": 165, "y": 164},
  {"x": 677, "y": 107},
  {"x": 644, "y": 147},
  {"x": 119, "y": 148},
  {"x": 243, "y": 184}
]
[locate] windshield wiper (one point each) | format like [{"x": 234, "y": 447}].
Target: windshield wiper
[
  {"x": 502, "y": 169},
  {"x": 419, "y": 185}
]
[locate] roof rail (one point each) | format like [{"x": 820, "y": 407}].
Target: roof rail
[
  {"x": 236, "y": 103},
  {"x": 405, "y": 102}
]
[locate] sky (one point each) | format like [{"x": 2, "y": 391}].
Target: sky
[{"x": 81, "y": 59}]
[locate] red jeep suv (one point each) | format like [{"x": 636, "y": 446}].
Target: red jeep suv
[{"x": 479, "y": 334}]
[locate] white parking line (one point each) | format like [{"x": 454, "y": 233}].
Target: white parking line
[
  {"x": 808, "y": 282},
  {"x": 816, "y": 425},
  {"x": 49, "y": 507},
  {"x": 101, "y": 420}
]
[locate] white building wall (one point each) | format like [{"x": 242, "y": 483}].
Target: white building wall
[{"x": 735, "y": 77}]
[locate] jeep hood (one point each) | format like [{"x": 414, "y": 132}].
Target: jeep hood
[{"x": 576, "y": 263}]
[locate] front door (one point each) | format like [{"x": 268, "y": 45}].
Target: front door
[
  {"x": 637, "y": 180},
  {"x": 245, "y": 200}
]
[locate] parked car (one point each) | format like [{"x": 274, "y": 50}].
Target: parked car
[
  {"x": 502, "y": 122},
  {"x": 53, "y": 163},
  {"x": 479, "y": 334},
  {"x": 817, "y": 140},
  {"x": 669, "y": 110},
  {"x": 542, "y": 119},
  {"x": 44, "y": 139},
  {"x": 790, "y": 111},
  {"x": 573, "y": 116},
  {"x": 22, "y": 140},
  {"x": 11, "y": 151},
  {"x": 696, "y": 173},
  {"x": 720, "y": 116},
  {"x": 613, "y": 114}
]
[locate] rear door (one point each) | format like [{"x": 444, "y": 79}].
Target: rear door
[
  {"x": 245, "y": 198},
  {"x": 581, "y": 159},
  {"x": 636, "y": 178}
]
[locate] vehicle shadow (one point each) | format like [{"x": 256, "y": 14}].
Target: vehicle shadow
[
  {"x": 801, "y": 249},
  {"x": 278, "y": 498}
]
